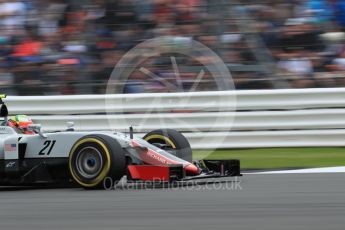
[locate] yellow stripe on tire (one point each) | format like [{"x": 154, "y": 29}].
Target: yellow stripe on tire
[
  {"x": 105, "y": 169},
  {"x": 161, "y": 137}
]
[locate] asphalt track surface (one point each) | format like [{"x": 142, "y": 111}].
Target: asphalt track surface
[{"x": 277, "y": 202}]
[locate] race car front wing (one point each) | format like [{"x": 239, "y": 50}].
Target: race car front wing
[{"x": 171, "y": 173}]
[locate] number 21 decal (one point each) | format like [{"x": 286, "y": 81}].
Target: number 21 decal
[{"x": 48, "y": 145}]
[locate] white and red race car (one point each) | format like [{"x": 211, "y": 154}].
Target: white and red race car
[{"x": 89, "y": 158}]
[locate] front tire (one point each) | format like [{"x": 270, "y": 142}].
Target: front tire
[
  {"x": 173, "y": 141},
  {"x": 95, "y": 158}
]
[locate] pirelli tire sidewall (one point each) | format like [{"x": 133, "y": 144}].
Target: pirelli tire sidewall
[
  {"x": 114, "y": 164},
  {"x": 179, "y": 142}
]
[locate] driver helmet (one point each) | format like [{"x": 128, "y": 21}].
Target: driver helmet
[{"x": 21, "y": 123}]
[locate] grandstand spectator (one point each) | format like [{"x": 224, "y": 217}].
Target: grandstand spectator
[
  {"x": 6, "y": 80},
  {"x": 321, "y": 10},
  {"x": 340, "y": 13},
  {"x": 69, "y": 75},
  {"x": 339, "y": 62},
  {"x": 29, "y": 46},
  {"x": 51, "y": 14},
  {"x": 28, "y": 76},
  {"x": 12, "y": 17},
  {"x": 304, "y": 39}
]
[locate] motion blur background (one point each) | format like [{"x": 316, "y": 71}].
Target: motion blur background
[{"x": 51, "y": 47}]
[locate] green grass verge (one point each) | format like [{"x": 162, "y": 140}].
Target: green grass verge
[{"x": 272, "y": 158}]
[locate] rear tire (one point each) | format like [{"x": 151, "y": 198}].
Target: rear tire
[
  {"x": 173, "y": 139},
  {"x": 95, "y": 158}
]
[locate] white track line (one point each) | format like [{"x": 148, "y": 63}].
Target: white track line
[{"x": 303, "y": 171}]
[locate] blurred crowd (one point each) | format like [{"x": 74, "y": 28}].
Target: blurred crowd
[
  {"x": 51, "y": 47},
  {"x": 306, "y": 39}
]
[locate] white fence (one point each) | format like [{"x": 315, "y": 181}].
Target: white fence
[{"x": 226, "y": 119}]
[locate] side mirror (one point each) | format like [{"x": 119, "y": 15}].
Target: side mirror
[
  {"x": 37, "y": 128},
  {"x": 70, "y": 126}
]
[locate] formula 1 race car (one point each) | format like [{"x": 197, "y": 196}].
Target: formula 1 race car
[{"x": 89, "y": 158}]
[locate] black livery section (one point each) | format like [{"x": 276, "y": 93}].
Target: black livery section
[{"x": 33, "y": 171}]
